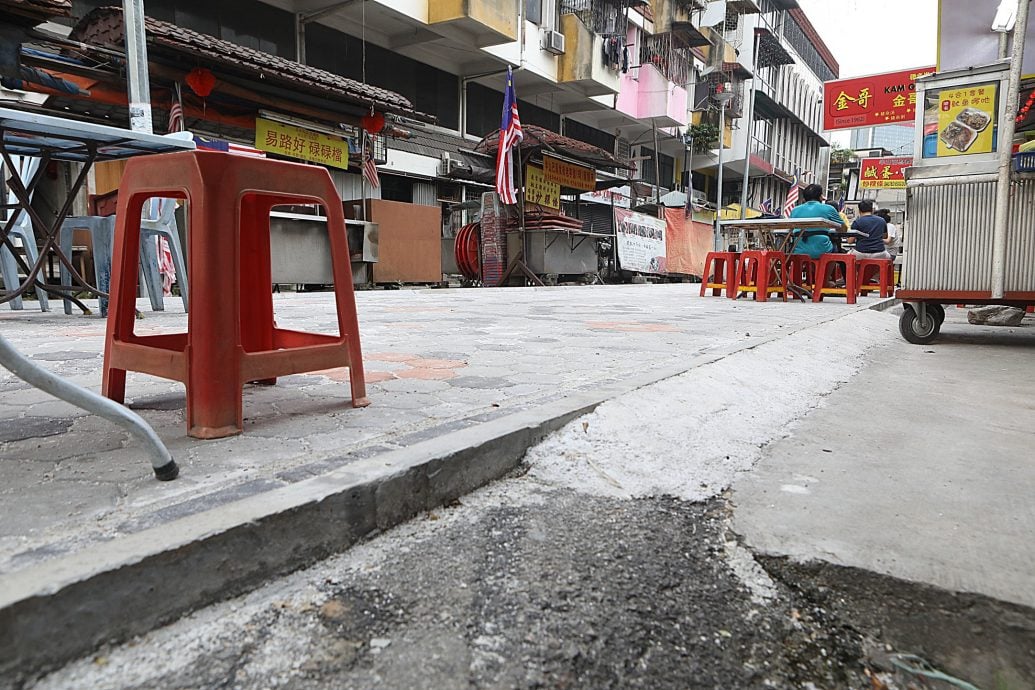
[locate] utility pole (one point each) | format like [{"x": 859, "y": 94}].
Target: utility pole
[
  {"x": 723, "y": 97},
  {"x": 136, "y": 66}
]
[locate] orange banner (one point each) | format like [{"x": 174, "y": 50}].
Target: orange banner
[{"x": 687, "y": 243}]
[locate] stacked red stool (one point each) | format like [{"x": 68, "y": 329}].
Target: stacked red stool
[
  {"x": 756, "y": 272},
  {"x": 882, "y": 270},
  {"x": 721, "y": 267},
  {"x": 231, "y": 337},
  {"x": 826, "y": 269}
]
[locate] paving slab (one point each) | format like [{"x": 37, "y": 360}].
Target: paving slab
[
  {"x": 921, "y": 468},
  {"x": 436, "y": 361}
]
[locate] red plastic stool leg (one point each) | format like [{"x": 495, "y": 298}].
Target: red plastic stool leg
[{"x": 122, "y": 299}]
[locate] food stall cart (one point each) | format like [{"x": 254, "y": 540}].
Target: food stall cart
[{"x": 969, "y": 204}]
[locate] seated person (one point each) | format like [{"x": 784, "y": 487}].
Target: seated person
[
  {"x": 893, "y": 242},
  {"x": 875, "y": 230},
  {"x": 815, "y": 243}
]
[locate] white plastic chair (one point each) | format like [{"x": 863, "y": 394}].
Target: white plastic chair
[
  {"x": 158, "y": 220},
  {"x": 21, "y": 232}
]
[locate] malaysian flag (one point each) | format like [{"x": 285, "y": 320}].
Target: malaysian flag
[
  {"x": 767, "y": 206},
  {"x": 369, "y": 167},
  {"x": 510, "y": 135},
  {"x": 792, "y": 198},
  {"x": 176, "y": 112}
]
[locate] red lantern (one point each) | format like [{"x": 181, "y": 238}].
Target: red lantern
[
  {"x": 201, "y": 81},
  {"x": 373, "y": 123}
]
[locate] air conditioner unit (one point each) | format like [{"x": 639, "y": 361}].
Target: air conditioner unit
[
  {"x": 552, "y": 41},
  {"x": 447, "y": 165}
]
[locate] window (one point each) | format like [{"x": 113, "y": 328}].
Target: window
[{"x": 485, "y": 108}]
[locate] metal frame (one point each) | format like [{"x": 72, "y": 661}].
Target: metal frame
[{"x": 58, "y": 139}]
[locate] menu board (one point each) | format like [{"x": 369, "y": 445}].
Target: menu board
[{"x": 961, "y": 121}]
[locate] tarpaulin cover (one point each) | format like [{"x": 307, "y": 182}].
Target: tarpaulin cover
[{"x": 687, "y": 243}]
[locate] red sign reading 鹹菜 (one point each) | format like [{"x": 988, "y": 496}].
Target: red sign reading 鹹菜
[{"x": 881, "y": 99}]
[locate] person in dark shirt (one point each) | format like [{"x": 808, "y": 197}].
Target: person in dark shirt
[{"x": 875, "y": 230}]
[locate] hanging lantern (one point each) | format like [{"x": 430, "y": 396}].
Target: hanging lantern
[
  {"x": 201, "y": 81},
  {"x": 373, "y": 123}
]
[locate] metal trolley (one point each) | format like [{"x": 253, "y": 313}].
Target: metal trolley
[{"x": 971, "y": 217}]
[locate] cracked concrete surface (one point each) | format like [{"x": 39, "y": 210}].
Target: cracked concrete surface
[{"x": 436, "y": 361}]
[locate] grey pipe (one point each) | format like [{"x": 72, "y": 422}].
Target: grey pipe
[{"x": 22, "y": 367}]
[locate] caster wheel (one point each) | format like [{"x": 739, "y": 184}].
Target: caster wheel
[{"x": 913, "y": 331}]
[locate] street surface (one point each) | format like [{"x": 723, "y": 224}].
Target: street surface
[
  {"x": 436, "y": 361},
  {"x": 736, "y": 526}
]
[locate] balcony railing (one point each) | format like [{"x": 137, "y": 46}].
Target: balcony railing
[
  {"x": 662, "y": 52},
  {"x": 602, "y": 17}
]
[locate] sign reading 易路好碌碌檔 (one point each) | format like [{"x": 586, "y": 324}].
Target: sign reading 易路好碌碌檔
[
  {"x": 884, "y": 173},
  {"x": 567, "y": 174},
  {"x": 641, "y": 241},
  {"x": 304, "y": 144}
]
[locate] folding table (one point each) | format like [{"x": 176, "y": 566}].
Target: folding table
[{"x": 52, "y": 138}]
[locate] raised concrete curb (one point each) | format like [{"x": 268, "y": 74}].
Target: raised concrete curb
[{"x": 68, "y": 606}]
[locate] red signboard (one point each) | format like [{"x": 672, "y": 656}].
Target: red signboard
[
  {"x": 881, "y": 99},
  {"x": 884, "y": 173}
]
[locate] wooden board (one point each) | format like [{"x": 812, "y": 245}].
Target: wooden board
[{"x": 409, "y": 241}]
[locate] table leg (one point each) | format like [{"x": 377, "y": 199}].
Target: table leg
[{"x": 161, "y": 460}]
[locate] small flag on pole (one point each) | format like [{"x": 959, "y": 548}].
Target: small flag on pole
[
  {"x": 767, "y": 206},
  {"x": 369, "y": 167},
  {"x": 510, "y": 135},
  {"x": 792, "y": 198},
  {"x": 176, "y": 112}
]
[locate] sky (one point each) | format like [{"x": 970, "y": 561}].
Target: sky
[{"x": 907, "y": 31}]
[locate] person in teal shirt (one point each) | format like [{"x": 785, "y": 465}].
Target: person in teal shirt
[{"x": 815, "y": 245}]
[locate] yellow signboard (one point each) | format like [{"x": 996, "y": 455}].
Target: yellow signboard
[
  {"x": 966, "y": 119},
  {"x": 571, "y": 175},
  {"x": 539, "y": 190},
  {"x": 304, "y": 144}
]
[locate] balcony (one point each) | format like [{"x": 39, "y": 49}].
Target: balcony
[
  {"x": 649, "y": 95},
  {"x": 486, "y": 22},
  {"x": 582, "y": 66}
]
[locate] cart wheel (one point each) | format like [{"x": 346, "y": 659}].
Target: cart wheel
[
  {"x": 937, "y": 311},
  {"x": 911, "y": 329}
]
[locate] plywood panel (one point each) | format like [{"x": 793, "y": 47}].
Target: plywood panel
[
  {"x": 409, "y": 242},
  {"x": 107, "y": 176}
]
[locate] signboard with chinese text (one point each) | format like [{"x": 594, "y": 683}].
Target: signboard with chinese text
[
  {"x": 962, "y": 118},
  {"x": 884, "y": 173},
  {"x": 571, "y": 175},
  {"x": 881, "y": 99},
  {"x": 539, "y": 190},
  {"x": 641, "y": 242},
  {"x": 304, "y": 144}
]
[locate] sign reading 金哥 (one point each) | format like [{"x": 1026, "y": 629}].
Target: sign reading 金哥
[
  {"x": 539, "y": 190},
  {"x": 304, "y": 144},
  {"x": 880, "y": 99},
  {"x": 571, "y": 175},
  {"x": 884, "y": 173}
]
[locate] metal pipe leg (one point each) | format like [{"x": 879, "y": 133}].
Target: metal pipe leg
[{"x": 22, "y": 367}]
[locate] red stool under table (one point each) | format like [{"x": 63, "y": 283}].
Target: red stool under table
[
  {"x": 825, "y": 286},
  {"x": 231, "y": 337},
  {"x": 722, "y": 268},
  {"x": 801, "y": 271},
  {"x": 883, "y": 270},
  {"x": 761, "y": 272}
]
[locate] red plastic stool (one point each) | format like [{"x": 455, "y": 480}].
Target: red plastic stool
[
  {"x": 722, "y": 267},
  {"x": 801, "y": 270},
  {"x": 825, "y": 281},
  {"x": 883, "y": 270},
  {"x": 757, "y": 271},
  {"x": 231, "y": 338}
]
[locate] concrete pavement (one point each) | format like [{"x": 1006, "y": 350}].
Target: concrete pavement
[
  {"x": 922, "y": 469},
  {"x": 463, "y": 382}
]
